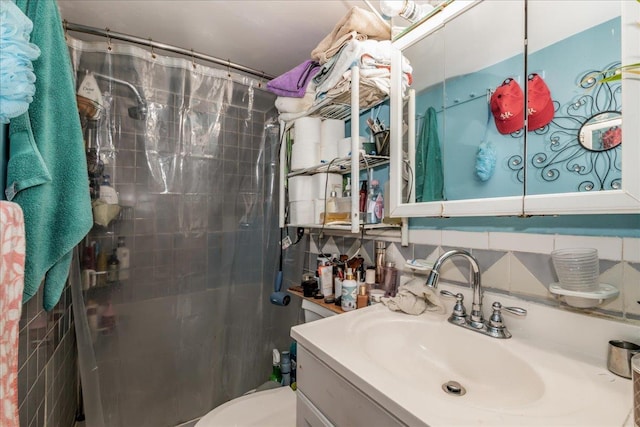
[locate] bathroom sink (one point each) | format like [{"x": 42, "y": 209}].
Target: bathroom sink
[
  {"x": 437, "y": 353},
  {"x": 417, "y": 366}
]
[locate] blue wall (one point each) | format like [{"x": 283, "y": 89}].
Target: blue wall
[{"x": 462, "y": 87}]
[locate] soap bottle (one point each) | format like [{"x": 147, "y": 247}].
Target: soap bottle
[
  {"x": 349, "y": 292},
  {"x": 123, "y": 256},
  {"x": 381, "y": 250},
  {"x": 107, "y": 192},
  {"x": 390, "y": 284}
]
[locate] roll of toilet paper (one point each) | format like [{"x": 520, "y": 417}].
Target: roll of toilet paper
[
  {"x": 344, "y": 146},
  {"x": 301, "y": 213},
  {"x": 331, "y": 131},
  {"x": 323, "y": 186},
  {"x": 304, "y": 156},
  {"x": 306, "y": 131},
  {"x": 301, "y": 188}
]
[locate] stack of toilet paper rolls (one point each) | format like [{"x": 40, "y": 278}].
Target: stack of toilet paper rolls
[
  {"x": 307, "y": 195},
  {"x": 315, "y": 141}
]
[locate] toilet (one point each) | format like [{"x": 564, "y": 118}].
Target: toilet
[{"x": 275, "y": 407}]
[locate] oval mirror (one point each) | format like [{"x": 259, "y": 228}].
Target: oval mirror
[{"x": 601, "y": 132}]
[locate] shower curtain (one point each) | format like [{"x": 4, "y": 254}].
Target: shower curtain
[{"x": 192, "y": 152}]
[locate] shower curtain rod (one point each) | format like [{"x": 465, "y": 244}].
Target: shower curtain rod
[{"x": 69, "y": 26}]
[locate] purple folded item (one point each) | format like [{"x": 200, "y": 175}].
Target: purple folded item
[{"x": 293, "y": 83}]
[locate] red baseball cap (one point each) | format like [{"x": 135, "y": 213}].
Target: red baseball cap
[
  {"x": 540, "y": 105},
  {"x": 507, "y": 107}
]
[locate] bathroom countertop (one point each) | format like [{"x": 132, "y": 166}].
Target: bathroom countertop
[
  {"x": 555, "y": 376},
  {"x": 332, "y": 307}
]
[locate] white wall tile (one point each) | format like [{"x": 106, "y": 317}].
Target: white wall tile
[
  {"x": 631, "y": 249},
  {"x": 521, "y": 242},
  {"x": 426, "y": 237},
  {"x": 465, "y": 239},
  {"x": 608, "y": 247}
]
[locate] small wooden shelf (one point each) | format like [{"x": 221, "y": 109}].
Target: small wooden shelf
[{"x": 332, "y": 307}]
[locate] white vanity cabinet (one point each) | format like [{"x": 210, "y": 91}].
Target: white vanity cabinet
[
  {"x": 460, "y": 57},
  {"x": 327, "y": 399}
]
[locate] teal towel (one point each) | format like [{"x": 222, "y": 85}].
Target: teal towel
[
  {"x": 429, "y": 175},
  {"x": 47, "y": 170}
]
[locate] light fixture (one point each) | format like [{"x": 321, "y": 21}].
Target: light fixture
[{"x": 408, "y": 9}]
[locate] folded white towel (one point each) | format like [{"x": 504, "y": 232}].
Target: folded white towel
[
  {"x": 286, "y": 104},
  {"x": 414, "y": 297}
]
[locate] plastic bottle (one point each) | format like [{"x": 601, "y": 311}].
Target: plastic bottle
[
  {"x": 113, "y": 266},
  {"x": 371, "y": 206},
  {"x": 362, "y": 299},
  {"x": 349, "y": 292},
  {"x": 378, "y": 209},
  {"x": 124, "y": 257},
  {"x": 276, "y": 374},
  {"x": 107, "y": 192},
  {"x": 285, "y": 368}
]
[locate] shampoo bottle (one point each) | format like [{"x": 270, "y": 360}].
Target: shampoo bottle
[{"x": 123, "y": 256}]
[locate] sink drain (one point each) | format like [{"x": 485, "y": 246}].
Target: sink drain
[{"x": 454, "y": 388}]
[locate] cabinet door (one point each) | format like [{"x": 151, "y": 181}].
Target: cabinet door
[
  {"x": 459, "y": 59},
  {"x": 585, "y": 159}
]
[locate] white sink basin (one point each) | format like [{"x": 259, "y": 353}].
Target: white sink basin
[
  {"x": 402, "y": 362},
  {"x": 435, "y": 353}
]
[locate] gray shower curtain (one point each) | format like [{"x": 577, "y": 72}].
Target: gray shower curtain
[{"x": 191, "y": 151}]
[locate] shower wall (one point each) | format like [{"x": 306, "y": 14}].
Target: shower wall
[{"x": 191, "y": 326}]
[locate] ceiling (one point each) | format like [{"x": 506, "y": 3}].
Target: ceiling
[{"x": 268, "y": 35}]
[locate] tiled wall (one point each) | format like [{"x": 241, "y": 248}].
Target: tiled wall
[
  {"x": 47, "y": 376},
  {"x": 518, "y": 264}
]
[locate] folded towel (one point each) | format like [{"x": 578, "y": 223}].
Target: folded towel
[
  {"x": 362, "y": 21},
  {"x": 286, "y": 104},
  {"x": 53, "y": 191},
  {"x": 16, "y": 70},
  {"x": 294, "y": 82},
  {"x": 414, "y": 297},
  {"x": 11, "y": 285}
]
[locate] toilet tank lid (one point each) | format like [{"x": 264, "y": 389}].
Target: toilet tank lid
[{"x": 275, "y": 407}]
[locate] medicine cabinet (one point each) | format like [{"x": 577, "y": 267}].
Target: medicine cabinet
[{"x": 583, "y": 159}]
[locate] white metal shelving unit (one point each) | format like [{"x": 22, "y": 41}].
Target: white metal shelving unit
[{"x": 352, "y": 164}]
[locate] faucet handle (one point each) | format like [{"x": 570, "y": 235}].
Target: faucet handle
[
  {"x": 496, "y": 325},
  {"x": 459, "y": 314}
]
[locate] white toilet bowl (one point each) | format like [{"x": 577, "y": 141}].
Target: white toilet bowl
[{"x": 276, "y": 407}]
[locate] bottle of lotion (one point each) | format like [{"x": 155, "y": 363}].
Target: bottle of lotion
[
  {"x": 123, "y": 256},
  {"x": 349, "y": 292}
]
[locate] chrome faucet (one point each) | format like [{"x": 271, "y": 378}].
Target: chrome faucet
[{"x": 475, "y": 321}]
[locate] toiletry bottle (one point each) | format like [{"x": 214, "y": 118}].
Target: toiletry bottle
[
  {"x": 362, "y": 299},
  {"x": 349, "y": 292},
  {"x": 113, "y": 265},
  {"x": 102, "y": 265},
  {"x": 390, "y": 285},
  {"x": 363, "y": 198},
  {"x": 347, "y": 188},
  {"x": 378, "y": 210},
  {"x": 107, "y": 192},
  {"x": 285, "y": 368},
  {"x": 332, "y": 203},
  {"x": 123, "y": 256},
  {"x": 276, "y": 375},
  {"x": 371, "y": 205},
  {"x": 381, "y": 250}
]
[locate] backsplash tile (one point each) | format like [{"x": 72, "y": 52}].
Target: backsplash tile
[{"x": 516, "y": 263}]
